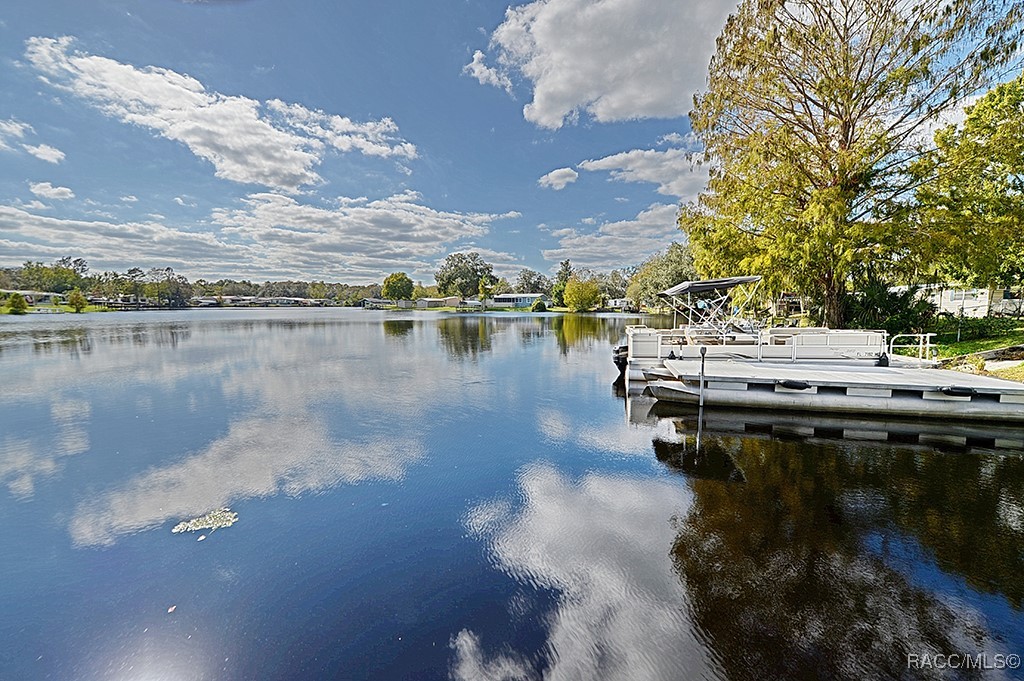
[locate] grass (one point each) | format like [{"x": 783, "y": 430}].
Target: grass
[
  {"x": 969, "y": 347},
  {"x": 66, "y": 308},
  {"x": 1011, "y": 373}
]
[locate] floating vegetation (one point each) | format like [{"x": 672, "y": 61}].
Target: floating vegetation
[{"x": 214, "y": 520}]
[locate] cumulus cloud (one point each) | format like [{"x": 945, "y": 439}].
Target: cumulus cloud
[
  {"x": 45, "y": 190},
  {"x": 266, "y": 236},
  {"x": 273, "y": 144},
  {"x": 45, "y": 152},
  {"x": 615, "y": 244},
  {"x": 557, "y": 179},
  {"x": 129, "y": 198},
  {"x": 614, "y": 60},
  {"x": 485, "y": 74},
  {"x": 674, "y": 170}
]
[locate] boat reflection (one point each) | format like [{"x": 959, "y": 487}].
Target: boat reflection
[{"x": 842, "y": 533}]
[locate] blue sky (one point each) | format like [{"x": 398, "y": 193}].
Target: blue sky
[{"x": 343, "y": 141}]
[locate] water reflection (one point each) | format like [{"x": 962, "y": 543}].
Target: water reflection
[
  {"x": 466, "y": 336},
  {"x": 398, "y": 328},
  {"x": 601, "y": 544},
  {"x": 837, "y": 559},
  {"x": 259, "y": 457}
]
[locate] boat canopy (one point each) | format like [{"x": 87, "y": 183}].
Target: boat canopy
[
  {"x": 706, "y": 285},
  {"x": 712, "y": 302}
]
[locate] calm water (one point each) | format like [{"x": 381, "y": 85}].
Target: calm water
[{"x": 426, "y": 496}]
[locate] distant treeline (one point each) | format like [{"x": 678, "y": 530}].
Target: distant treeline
[{"x": 164, "y": 285}]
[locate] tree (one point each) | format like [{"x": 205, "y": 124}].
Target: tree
[
  {"x": 501, "y": 286},
  {"x": 659, "y": 272},
  {"x": 397, "y": 286},
  {"x": 17, "y": 304},
  {"x": 812, "y": 117},
  {"x": 421, "y": 291},
  {"x": 561, "y": 280},
  {"x": 531, "y": 281},
  {"x": 460, "y": 274},
  {"x": 581, "y": 294},
  {"x": 484, "y": 290},
  {"x": 972, "y": 199},
  {"x": 615, "y": 283},
  {"x": 77, "y": 301}
]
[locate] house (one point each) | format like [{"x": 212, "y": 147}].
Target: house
[
  {"x": 37, "y": 297},
  {"x": 621, "y": 304},
  {"x": 517, "y": 300},
  {"x": 971, "y": 302},
  {"x": 450, "y": 301}
]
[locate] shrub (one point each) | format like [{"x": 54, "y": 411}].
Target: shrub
[
  {"x": 17, "y": 304},
  {"x": 77, "y": 301},
  {"x": 539, "y": 306}
]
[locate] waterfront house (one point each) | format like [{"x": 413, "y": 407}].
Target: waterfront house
[{"x": 517, "y": 300}]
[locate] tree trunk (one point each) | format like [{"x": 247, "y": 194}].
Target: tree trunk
[{"x": 833, "y": 297}]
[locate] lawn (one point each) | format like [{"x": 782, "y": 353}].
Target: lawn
[{"x": 1015, "y": 337}]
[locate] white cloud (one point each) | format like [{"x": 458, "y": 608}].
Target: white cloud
[
  {"x": 258, "y": 457},
  {"x": 505, "y": 264},
  {"x": 45, "y": 190},
  {"x": 268, "y": 236},
  {"x": 45, "y": 152},
  {"x": 485, "y": 74},
  {"x": 129, "y": 198},
  {"x": 11, "y": 130},
  {"x": 274, "y": 144},
  {"x": 622, "y": 610},
  {"x": 616, "y": 244},
  {"x": 615, "y": 60},
  {"x": 183, "y": 203},
  {"x": 34, "y": 204},
  {"x": 673, "y": 170},
  {"x": 557, "y": 179}
]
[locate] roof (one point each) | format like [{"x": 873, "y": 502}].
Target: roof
[{"x": 706, "y": 285}]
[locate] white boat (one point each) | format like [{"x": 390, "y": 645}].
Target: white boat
[{"x": 719, "y": 359}]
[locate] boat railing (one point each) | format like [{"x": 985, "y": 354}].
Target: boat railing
[{"x": 922, "y": 342}]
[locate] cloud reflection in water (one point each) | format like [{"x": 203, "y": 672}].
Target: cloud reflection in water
[{"x": 603, "y": 545}]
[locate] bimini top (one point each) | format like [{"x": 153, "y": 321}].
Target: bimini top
[{"x": 706, "y": 285}]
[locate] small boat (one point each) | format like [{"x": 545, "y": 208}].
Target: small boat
[{"x": 720, "y": 359}]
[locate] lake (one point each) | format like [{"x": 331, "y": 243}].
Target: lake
[{"x": 436, "y": 496}]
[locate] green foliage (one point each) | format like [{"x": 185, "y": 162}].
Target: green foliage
[
  {"x": 420, "y": 291},
  {"x": 485, "y": 290},
  {"x": 972, "y": 201},
  {"x": 460, "y": 274},
  {"x": 809, "y": 125},
  {"x": 397, "y": 286},
  {"x": 63, "y": 275},
  {"x": 501, "y": 286},
  {"x": 659, "y": 272},
  {"x": 538, "y": 306},
  {"x": 77, "y": 301},
  {"x": 874, "y": 305},
  {"x": 17, "y": 304},
  {"x": 562, "y": 277},
  {"x": 581, "y": 294},
  {"x": 530, "y": 281}
]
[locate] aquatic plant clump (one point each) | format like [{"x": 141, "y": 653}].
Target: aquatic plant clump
[{"x": 214, "y": 520}]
